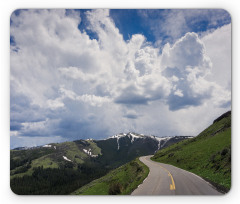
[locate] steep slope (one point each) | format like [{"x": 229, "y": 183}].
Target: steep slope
[
  {"x": 207, "y": 155},
  {"x": 120, "y": 181}
]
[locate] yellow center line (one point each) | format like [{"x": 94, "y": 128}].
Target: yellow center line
[{"x": 172, "y": 186}]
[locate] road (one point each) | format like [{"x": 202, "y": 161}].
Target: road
[{"x": 164, "y": 179}]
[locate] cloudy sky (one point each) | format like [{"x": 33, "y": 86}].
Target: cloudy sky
[{"x": 78, "y": 74}]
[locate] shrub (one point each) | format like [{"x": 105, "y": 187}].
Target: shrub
[
  {"x": 139, "y": 169},
  {"x": 224, "y": 152},
  {"x": 114, "y": 189},
  {"x": 170, "y": 155}
]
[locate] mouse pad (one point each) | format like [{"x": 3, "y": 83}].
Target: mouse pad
[{"x": 120, "y": 102}]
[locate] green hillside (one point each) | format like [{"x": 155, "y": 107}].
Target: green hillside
[
  {"x": 61, "y": 168},
  {"x": 56, "y": 169},
  {"x": 207, "y": 155},
  {"x": 22, "y": 162},
  {"x": 120, "y": 181}
]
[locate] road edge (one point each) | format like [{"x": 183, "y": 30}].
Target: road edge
[{"x": 218, "y": 187}]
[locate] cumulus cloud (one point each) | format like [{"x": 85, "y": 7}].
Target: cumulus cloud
[
  {"x": 65, "y": 84},
  {"x": 187, "y": 59},
  {"x": 188, "y": 51},
  {"x": 218, "y": 48}
]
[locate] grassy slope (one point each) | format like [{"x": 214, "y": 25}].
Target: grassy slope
[
  {"x": 95, "y": 149},
  {"x": 70, "y": 150},
  {"x": 50, "y": 157},
  {"x": 122, "y": 180},
  {"x": 33, "y": 158},
  {"x": 43, "y": 161},
  {"x": 207, "y": 155}
]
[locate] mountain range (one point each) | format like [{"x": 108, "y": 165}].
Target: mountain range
[{"x": 88, "y": 159}]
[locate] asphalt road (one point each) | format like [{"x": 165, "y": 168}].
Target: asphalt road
[{"x": 164, "y": 179}]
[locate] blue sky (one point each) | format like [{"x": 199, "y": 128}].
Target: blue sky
[
  {"x": 152, "y": 22},
  {"x": 78, "y": 74}
]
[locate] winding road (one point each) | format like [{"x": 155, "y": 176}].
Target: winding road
[{"x": 164, "y": 179}]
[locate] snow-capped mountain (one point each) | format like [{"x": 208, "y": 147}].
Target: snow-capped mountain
[{"x": 161, "y": 141}]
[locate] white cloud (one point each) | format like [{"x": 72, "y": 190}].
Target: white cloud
[
  {"x": 188, "y": 51},
  {"x": 93, "y": 100},
  {"x": 187, "y": 59},
  {"x": 109, "y": 37},
  {"x": 179, "y": 93},
  {"x": 54, "y": 104},
  {"x": 76, "y": 87},
  {"x": 218, "y": 48},
  {"x": 76, "y": 73}
]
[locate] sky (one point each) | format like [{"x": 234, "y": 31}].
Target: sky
[{"x": 79, "y": 74}]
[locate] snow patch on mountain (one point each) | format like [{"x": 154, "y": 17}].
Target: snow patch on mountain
[
  {"x": 47, "y": 145},
  {"x": 89, "y": 152},
  {"x": 118, "y": 142},
  {"x": 117, "y": 136},
  {"x": 159, "y": 144},
  {"x": 134, "y": 136},
  {"x": 65, "y": 158}
]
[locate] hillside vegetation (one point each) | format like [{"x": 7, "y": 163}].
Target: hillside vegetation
[
  {"x": 62, "y": 168},
  {"x": 120, "y": 181},
  {"x": 44, "y": 171},
  {"x": 207, "y": 155}
]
